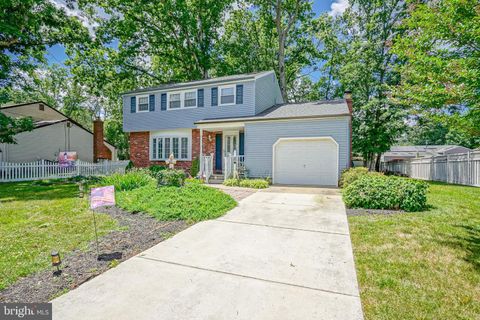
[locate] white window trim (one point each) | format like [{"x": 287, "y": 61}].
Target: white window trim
[
  {"x": 234, "y": 87},
  {"x": 182, "y": 99},
  {"x": 138, "y": 103},
  {"x": 170, "y": 136}
]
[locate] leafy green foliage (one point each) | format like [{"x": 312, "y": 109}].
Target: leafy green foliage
[
  {"x": 9, "y": 127},
  {"x": 28, "y": 27},
  {"x": 195, "y": 168},
  {"x": 155, "y": 169},
  {"x": 247, "y": 183},
  {"x": 132, "y": 179},
  {"x": 171, "y": 177},
  {"x": 192, "y": 202},
  {"x": 193, "y": 181},
  {"x": 386, "y": 192},
  {"x": 350, "y": 175}
]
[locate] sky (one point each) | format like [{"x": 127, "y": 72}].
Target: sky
[{"x": 56, "y": 54}]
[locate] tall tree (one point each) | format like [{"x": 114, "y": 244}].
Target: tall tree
[
  {"x": 441, "y": 49},
  {"x": 365, "y": 64}
]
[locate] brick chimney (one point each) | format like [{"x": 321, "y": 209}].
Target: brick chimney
[
  {"x": 100, "y": 150},
  {"x": 349, "y": 101}
]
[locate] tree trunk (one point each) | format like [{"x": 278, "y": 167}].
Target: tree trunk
[{"x": 377, "y": 162}]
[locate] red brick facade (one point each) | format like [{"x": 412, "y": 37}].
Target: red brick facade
[{"x": 140, "y": 148}]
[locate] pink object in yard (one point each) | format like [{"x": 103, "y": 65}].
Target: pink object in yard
[{"x": 104, "y": 196}]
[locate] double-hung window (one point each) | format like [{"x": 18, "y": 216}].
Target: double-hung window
[
  {"x": 227, "y": 95},
  {"x": 142, "y": 104},
  {"x": 190, "y": 100},
  {"x": 162, "y": 146},
  {"x": 175, "y": 101}
]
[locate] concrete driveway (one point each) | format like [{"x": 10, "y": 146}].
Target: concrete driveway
[{"x": 283, "y": 253}]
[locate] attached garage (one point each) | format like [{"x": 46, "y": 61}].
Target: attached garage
[{"x": 305, "y": 161}]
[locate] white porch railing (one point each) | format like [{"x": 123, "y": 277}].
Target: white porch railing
[
  {"x": 42, "y": 169},
  {"x": 233, "y": 166},
  {"x": 206, "y": 167}
]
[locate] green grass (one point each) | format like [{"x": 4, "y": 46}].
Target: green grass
[
  {"x": 423, "y": 265},
  {"x": 193, "y": 202},
  {"x": 37, "y": 218}
]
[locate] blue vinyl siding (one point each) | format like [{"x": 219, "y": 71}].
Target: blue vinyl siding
[
  {"x": 267, "y": 93},
  {"x": 185, "y": 118},
  {"x": 260, "y": 137}
]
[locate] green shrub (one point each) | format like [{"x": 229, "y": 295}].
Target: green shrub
[
  {"x": 386, "y": 192},
  {"x": 247, "y": 183},
  {"x": 254, "y": 183},
  {"x": 155, "y": 169},
  {"x": 352, "y": 174},
  {"x": 193, "y": 181},
  {"x": 171, "y": 177},
  {"x": 129, "y": 166},
  {"x": 130, "y": 180},
  {"x": 231, "y": 182},
  {"x": 195, "y": 168}
]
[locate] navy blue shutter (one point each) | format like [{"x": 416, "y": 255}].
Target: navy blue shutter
[
  {"x": 200, "y": 98},
  {"x": 239, "y": 93},
  {"x": 133, "y": 104},
  {"x": 241, "y": 144},
  {"x": 151, "y": 104},
  {"x": 215, "y": 96},
  {"x": 163, "y": 102}
]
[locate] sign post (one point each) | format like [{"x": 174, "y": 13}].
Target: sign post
[{"x": 101, "y": 197}]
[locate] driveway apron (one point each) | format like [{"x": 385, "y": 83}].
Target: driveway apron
[{"x": 283, "y": 253}]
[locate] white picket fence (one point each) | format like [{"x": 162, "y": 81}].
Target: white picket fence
[
  {"x": 461, "y": 168},
  {"x": 43, "y": 169}
]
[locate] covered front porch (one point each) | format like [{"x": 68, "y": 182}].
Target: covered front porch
[{"x": 222, "y": 151}]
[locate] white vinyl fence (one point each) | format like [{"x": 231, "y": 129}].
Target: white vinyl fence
[
  {"x": 43, "y": 169},
  {"x": 461, "y": 168}
]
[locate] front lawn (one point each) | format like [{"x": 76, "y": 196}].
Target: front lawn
[
  {"x": 423, "y": 265},
  {"x": 37, "y": 218}
]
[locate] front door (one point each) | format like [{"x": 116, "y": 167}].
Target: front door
[{"x": 218, "y": 152}]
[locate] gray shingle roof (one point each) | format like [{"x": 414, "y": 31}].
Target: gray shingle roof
[
  {"x": 169, "y": 86},
  {"x": 325, "y": 108}
]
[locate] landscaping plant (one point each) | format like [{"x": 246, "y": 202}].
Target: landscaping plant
[
  {"x": 130, "y": 180},
  {"x": 195, "y": 168},
  {"x": 155, "y": 169},
  {"x": 247, "y": 183},
  {"x": 353, "y": 174},
  {"x": 171, "y": 177},
  {"x": 386, "y": 192}
]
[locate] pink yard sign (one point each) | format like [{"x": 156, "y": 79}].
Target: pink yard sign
[{"x": 104, "y": 196}]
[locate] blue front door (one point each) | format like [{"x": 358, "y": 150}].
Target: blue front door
[{"x": 218, "y": 151}]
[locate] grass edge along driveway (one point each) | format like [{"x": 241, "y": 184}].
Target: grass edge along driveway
[{"x": 422, "y": 265}]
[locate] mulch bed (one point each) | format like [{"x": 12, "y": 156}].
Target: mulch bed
[
  {"x": 365, "y": 212},
  {"x": 137, "y": 233}
]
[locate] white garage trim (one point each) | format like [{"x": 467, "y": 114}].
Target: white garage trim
[{"x": 302, "y": 139}]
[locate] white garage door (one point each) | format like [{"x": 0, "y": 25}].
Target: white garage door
[{"x": 310, "y": 161}]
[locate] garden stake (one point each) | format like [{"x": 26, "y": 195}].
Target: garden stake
[{"x": 96, "y": 234}]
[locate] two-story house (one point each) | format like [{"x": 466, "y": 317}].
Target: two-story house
[{"x": 240, "y": 119}]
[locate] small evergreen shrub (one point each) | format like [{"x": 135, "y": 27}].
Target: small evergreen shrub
[
  {"x": 386, "y": 192},
  {"x": 195, "y": 168},
  {"x": 129, "y": 166},
  {"x": 130, "y": 180},
  {"x": 155, "y": 169},
  {"x": 173, "y": 178},
  {"x": 254, "y": 183}
]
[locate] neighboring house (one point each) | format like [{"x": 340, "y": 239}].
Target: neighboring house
[
  {"x": 241, "y": 117},
  {"x": 400, "y": 153},
  {"x": 53, "y": 132}
]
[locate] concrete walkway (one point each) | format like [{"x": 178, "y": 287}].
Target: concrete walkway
[{"x": 283, "y": 253}]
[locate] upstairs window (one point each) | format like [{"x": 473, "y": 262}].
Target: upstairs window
[
  {"x": 142, "y": 104},
  {"x": 190, "y": 100},
  {"x": 175, "y": 101},
  {"x": 227, "y": 95}
]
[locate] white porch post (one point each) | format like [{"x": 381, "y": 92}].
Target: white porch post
[{"x": 201, "y": 153}]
